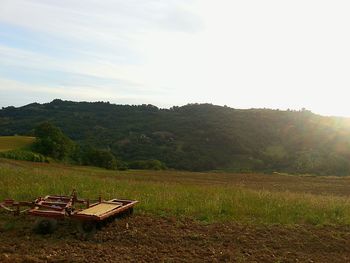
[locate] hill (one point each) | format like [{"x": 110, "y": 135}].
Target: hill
[
  {"x": 8, "y": 143},
  {"x": 197, "y": 136}
]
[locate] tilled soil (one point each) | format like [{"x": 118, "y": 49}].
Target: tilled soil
[{"x": 144, "y": 238}]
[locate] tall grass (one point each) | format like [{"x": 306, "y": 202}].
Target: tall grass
[{"x": 207, "y": 203}]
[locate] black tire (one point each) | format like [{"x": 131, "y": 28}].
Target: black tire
[
  {"x": 87, "y": 229},
  {"x": 45, "y": 226},
  {"x": 101, "y": 224}
]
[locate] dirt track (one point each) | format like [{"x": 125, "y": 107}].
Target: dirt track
[{"x": 154, "y": 239}]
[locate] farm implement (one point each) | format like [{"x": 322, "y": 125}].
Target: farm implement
[{"x": 89, "y": 216}]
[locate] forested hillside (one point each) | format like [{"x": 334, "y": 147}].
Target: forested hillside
[{"x": 197, "y": 136}]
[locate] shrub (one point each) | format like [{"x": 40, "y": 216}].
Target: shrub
[
  {"x": 147, "y": 165},
  {"x": 24, "y": 156},
  {"x": 122, "y": 166},
  {"x": 100, "y": 158}
]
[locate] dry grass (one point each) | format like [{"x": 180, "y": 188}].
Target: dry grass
[{"x": 8, "y": 143}]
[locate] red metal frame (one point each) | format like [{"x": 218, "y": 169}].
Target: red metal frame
[
  {"x": 60, "y": 207},
  {"x": 13, "y": 206}
]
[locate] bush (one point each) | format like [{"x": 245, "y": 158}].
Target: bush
[
  {"x": 24, "y": 156},
  {"x": 122, "y": 166},
  {"x": 100, "y": 158},
  {"x": 147, "y": 165}
]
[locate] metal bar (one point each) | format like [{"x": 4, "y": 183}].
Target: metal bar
[
  {"x": 46, "y": 213},
  {"x": 37, "y": 206},
  {"x": 54, "y": 203},
  {"x": 57, "y": 197}
]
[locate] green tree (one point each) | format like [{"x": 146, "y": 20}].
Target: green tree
[
  {"x": 100, "y": 158},
  {"x": 51, "y": 141}
]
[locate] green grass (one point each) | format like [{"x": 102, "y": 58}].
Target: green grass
[
  {"x": 205, "y": 202},
  {"x": 8, "y": 143}
]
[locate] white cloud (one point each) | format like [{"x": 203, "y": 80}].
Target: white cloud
[
  {"x": 279, "y": 54},
  {"x": 77, "y": 93}
]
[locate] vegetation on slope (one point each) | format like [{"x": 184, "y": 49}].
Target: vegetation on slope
[
  {"x": 19, "y": 148},
  {"x": 8, "y": 143},
  {"x": 197, "y": 136}
]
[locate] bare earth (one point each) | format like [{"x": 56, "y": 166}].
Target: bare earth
[{"x": 144, "y": 238}]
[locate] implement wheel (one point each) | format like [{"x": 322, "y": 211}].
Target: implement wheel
[
  {"x": 87, "y": 228},
  {"x": 45, "y": 226}
]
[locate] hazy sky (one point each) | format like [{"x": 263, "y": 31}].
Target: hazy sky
[{"x": 245, "y": 54}]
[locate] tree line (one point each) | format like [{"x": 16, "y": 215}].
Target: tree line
[{"x": 194, "y": 137}]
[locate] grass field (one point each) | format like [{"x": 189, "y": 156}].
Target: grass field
[
  {"x": 208, "y": 197},
  {"x": 8, "y": 143}
]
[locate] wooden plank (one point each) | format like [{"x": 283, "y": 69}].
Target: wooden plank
[{"x": 99, "y": 209}]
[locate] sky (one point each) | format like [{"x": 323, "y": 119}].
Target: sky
[{"x": 244, "y": 54}]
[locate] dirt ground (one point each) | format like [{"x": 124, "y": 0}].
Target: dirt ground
[{"x": 144, "y": 238}]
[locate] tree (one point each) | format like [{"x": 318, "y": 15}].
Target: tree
[
  {"x": 100, "y": 158},
  {"x": 51, "y": 141}
]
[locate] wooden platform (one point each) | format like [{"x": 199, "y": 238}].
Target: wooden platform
[{"x": 100, "y": 209}]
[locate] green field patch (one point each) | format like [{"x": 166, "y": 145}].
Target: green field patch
[{"x": 8, "y": 143}]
